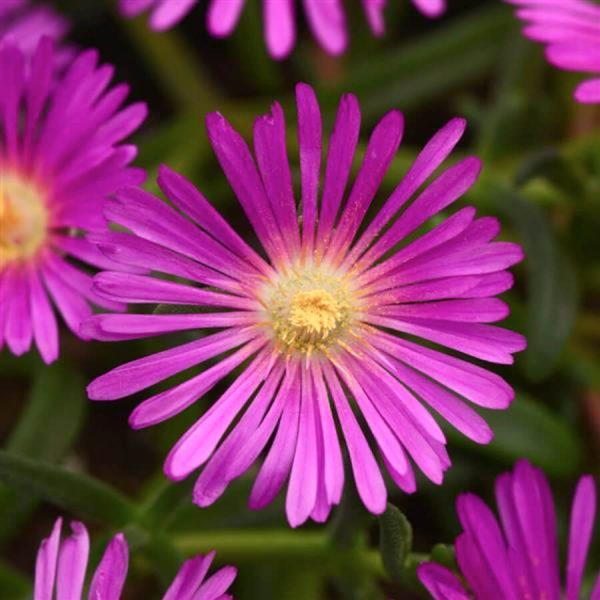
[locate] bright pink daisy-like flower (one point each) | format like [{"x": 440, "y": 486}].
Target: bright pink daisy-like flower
[
  {"x": 571, "y": 31},
  {"x": 517, "y": 559},
  {"x": 25, "y": 24},
  {"x": 61, "y": 569},
  {"x": 326, "y": 323},
  {"x": 326, "y": 18},
  {"x": 60, "y": 158}
]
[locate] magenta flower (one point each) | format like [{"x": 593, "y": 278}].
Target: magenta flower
[
  {"x": 570, "y": 29},
  {"x": 60, "y": 158},
  {"x": 518, "y": 558},
  {"x": 25, "y": 24},
  {"x": 329, "y": 315},
  {"x": 326, "y": 18},
  {"x": 61, "y": 568}
]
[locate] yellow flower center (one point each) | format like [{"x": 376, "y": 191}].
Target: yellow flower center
[
  {"x": 309, "y": 310},
  {"x": 23, "y": 219}
]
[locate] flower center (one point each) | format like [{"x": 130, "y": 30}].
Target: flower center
[
  {"x": 23, "y": 219},
  {"x": 314, "y": 313},
  {"x": 309, "y": 310}
]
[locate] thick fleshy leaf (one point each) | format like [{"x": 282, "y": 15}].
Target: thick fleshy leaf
[
  {"x": 78, "y": 493},
  {"x": 530, "y": 430},
  {"x": 35, "y": 435},
  {"x": 551, "y": 284},
  {"x": 395, "y": 541}
]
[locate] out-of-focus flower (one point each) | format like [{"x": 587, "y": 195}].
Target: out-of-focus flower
[
  {"x": 326, "y": 18},
  {"x": 61, "y": 567},
  {"x": 325, "y": 322},
  {"x": 60, "y": 159},
  {"x": 25, "y": 24},
  {"x": 518, "y": 558},
  {"x": 570, "y": 29}
]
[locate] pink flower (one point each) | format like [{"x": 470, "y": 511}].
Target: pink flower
[
  {"x": 323, "y": 322},
  {"x": 570, "y": 29},
  {"x": 518, "y": 558},
  {"x": 326, "y": 18},
  {"x": 25, "y": 24},
  {"x": 61, "y": 568},
  {"x": 60, "y": 158}
]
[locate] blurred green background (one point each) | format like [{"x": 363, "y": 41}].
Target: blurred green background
[{"x": 541, "y": 177}]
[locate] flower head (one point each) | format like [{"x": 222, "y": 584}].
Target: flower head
[
  {"x": 61, "y": 568},
  {"x": 517, "y": 558},
  {"x": 60, "y": 158},
  {"x": 25, "y": 24},
  {"x": 324, "y": 322},
  {"x": 570, "y": 29},
  {"x": 327, "y": 20}
]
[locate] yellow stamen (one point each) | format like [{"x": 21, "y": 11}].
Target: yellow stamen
[
  {"x": 314, "y": 312},
  {"x": 308, "y": 310},
  {"x": 23, "y": 219}
]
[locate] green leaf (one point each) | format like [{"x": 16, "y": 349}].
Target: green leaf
[
  {"x": 57, "y": 403},
  {"x": 428, "y": 68},
  {"x": 80, "y": 494},
  {"x": 551, "y": 284},
  {"x": 395, "y": 541},
  {"x": 529, "y": 430}
]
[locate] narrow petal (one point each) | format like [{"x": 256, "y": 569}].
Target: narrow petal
[
  {"x": 474, "y": 383},
  {"x": 340, "y": 155},
  {"x": 18, "y": 327},
  {"x": 45, "y": 328},
  {"x": 310, "y": 146},
  {"x": 302, "y": 488},
  {"x": 191, "y": 202},
  {"x": 189, "y": 578},
  {"x": 254, "y": 445},
  {"x": 223, "y": 15},
  {"x": 482, "y": 528},
  {"x": 238, "y": 165},
  {"x": 276, "y": 467},
  {"x": 199, "y": 442},
  {"x": 273, "y": 163},
  {"x": 429, "y": 159},
  {"x": 445, "y": 190},
  {"x": 72, "y": 563},
  {"x": 165, "y": 405},
  {"x": 332, "y": 454},
  {"x": 219, "y": 470},
  {"x": 581, "y": 526},
  {"x": 140, "y": 289},
  {"x": 441, "y": 583},
  {"x": 144, "y": 372},
  {"x": 328, "y": 24},
  {"x": 381, "y": 149},
  {"x": 588, "y": 92},
  {"x": 166, "y": 14},
  {"x": 367, "y": 474},
  {"x": 109, "y": 578},
  {"x": 216, "y": 585},
  {"x": 280, "y": 27},
  {"x": 431, "y": 8},
  {"x": 45, "y": 566}
]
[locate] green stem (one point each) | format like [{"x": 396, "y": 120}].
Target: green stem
[{"x": 280, "y": 545}]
